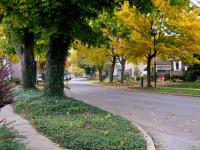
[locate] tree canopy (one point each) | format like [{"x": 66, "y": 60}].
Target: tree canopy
[{"x": 115, "y": 30}]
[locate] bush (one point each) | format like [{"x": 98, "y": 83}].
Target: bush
[
  {"x": 75, "y": 125},
  {"x": 193, "y": 73},
  {"x": 167, "y": 77},
  {"x": 127, "y": 78},
  {"x": 15, "y": 80},
  {"x": 145, "y": 77},
  {"x": 6, "y": 96}
]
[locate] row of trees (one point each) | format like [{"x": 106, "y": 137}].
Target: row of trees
[
  {"x": 113, "y": 29},
  {"x": 58, "y": 22},
  {"x": 129, "y": 36}
]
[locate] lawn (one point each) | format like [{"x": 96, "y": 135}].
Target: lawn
[
  {"x": 75, "y": 125},
  {"x": 8, "y": 139},
  {"x": 133, "y": 84},
  {"x": 179, "y": 87},
  {"x": 180, "y": 84},
  {"x": 191, "y": 91}
]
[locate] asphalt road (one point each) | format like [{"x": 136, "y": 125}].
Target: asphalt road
[{"x": 172, "y": 121}]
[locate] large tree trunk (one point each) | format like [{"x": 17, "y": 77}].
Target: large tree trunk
[
  {"x": 149, "y": 72},
  {"x": 100, "y": 69},
  {"x": 112, "y": 69},
  {"x": 56, "y": 56},
  {"x": 27, "y": 61}
]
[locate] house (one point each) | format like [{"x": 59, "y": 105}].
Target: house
[
  {"x": 16, "y": 71},
  {"x": 172, "y": 67},
  {"x": 135, "y": 71},
  {"x": 13, "y": 69},
  {"x": 179, "y": 68},
  {"x": 131, "y": 70}
]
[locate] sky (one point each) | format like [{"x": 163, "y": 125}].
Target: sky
[{"x": 196, "y": 2}]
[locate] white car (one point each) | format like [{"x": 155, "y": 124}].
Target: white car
[{"x": 39, "y": 78}]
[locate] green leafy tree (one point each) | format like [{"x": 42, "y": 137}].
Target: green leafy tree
[
  {"x": 92, "y": 56},
  {"x": 63, "y": 21},
  {"x": 114, "y": 32},
  {"x": 70, "y": 21},
  {"x": 67, "y": 21},
  {"x": 18, "y": 26}
]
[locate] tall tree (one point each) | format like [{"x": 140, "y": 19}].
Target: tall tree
[
  {"x": 121, "y": 35},
  {"x": 69, "y": 20},
  {"x": 115, "y": 32},
  {"x": 93, "y": 56},
  {"x": 64, "y": 21},
  {"x": 19, "y": 28}
]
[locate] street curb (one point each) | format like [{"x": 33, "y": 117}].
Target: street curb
[
  {"x": 166, "y": 93},
  {"x": 147, "y": 137}
]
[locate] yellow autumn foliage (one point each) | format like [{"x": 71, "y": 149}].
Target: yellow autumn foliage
[
  {"x": 177, "y": 32},
  {"x": 91, "y": 56}
]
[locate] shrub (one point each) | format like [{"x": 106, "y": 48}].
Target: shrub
[
  {"x": 15, "y": 80},
  {"x": 193, "y": 73},
  {"x": 167, "y": 77},
  {"x": 6, "y": 96}
]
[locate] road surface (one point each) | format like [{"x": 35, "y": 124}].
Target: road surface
[{"x": 172, "y": 121}]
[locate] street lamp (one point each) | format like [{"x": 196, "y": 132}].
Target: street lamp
[{"x": 154, "y": 33}]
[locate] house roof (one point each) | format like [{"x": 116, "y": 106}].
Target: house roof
[{"x": 160, "y": 62}]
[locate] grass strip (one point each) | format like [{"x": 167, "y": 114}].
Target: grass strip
[
  {"x": 76, "y": 125},
  {"x": 179, "y": 90}
]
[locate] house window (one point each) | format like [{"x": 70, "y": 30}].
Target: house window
[
  {"x": 177, "y": 66},
  {"x": 136, "y": 69}
]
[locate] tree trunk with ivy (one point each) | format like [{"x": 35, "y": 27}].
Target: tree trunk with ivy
[
  {"x": 27, "y": 61},
  {"x": 56, "y": 56}
]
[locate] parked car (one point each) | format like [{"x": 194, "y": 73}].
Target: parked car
[
  {"x": 39, "y": 78},
  {"x": 67, "y": 77}
]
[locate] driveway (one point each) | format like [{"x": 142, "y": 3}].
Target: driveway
[{"x": 172, "y": 121}]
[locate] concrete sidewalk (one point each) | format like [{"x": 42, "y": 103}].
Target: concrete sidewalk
[{"x": 33, "y": 140}]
